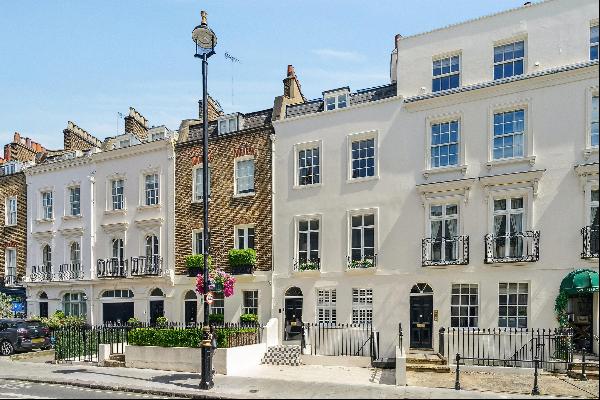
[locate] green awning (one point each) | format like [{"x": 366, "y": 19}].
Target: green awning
[{"x": 580, "y": 281}]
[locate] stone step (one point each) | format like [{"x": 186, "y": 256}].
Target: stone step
[
  {"x": 427, "y": 368},
  {"x": 436, "y": 360},
  {"x": 112, "y": 363},
  {"x": 117, "y": 357},
  {"x": 592, "y": 375}
]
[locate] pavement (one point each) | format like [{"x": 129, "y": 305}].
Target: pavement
[{"x": 263, "y": 382}]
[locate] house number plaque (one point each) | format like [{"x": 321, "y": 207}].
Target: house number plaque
[{"x": 435, "y": 315}]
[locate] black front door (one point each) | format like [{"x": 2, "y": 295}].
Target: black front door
[
  {"x": 191, "y": 311},
  {"x": 293, "y": 319},
  {"x": 43, "y": 309},
  {"x": 421, "y": 322},
  {"x": 157, "y": 309},
  {"x": 117, "y": 313}
]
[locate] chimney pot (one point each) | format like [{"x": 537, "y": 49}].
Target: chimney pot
[
  {"x": 28, "y": 142},
  {"x": 7, "y": 153},
  {"x": 17, "y": 137},
  {"x": 290, "y": 71}
]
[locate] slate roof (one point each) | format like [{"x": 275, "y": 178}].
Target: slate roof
[{"x": 250, "y": 120}]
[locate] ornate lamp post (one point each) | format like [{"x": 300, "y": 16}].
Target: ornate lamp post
[{"x": 205, "y": 40}]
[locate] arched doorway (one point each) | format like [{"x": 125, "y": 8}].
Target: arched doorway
[
  {"x": 421, "y": 316},
  {"x": 190, "y": 302},
  {"x": 157, "y": 305},
  {"x": 293, "y": 314}
]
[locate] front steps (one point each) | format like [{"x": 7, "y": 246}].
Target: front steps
[
  {"x": 426, "y": 361},
  {"x": 282, "y": 355},
  {"x": 115, "y": 360}
]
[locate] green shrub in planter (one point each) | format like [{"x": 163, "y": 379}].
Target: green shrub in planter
[
  {"x": 134, "y": 322},
  {"x": 242, "y": 257},
  {"x": 249, "y": 318},
  {"x": 194, "y": 261},
  {"x": 216, "y": 318},
  {"x": 226, "y": 337},
  {"x": 162, "y": 322}
]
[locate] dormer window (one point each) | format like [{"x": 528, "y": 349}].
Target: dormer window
[
  {"x": 336, "y": 99},
  {"x": 124, "y": 143},
  {"x": 228, "y": 124}
]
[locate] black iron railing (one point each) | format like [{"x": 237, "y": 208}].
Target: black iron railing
[
  {"x": 68, "y": 272},
  {"x": 303, "y": 264},
  {"x": 341, "y": 339},
  {"x": 445, "y": 251},
  {"x": 11, "y": 280},
  {"x": 591, "y": 241},
  {"x": 146, "y": 266},
  {"x": 111, "y": 268},
  {"x": 41, "y": 273},
  {"x": 512, "y": 247},
  {"x": 363, "y": 263}
]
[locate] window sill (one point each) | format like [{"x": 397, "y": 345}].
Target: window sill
[
  {"x": 122, "y": 211},
  {"x": 361, "y": 271},
  {"x": 9, "y": 225},
  {"x": 359, "y": 180},
  {"x": 150, "y": 207},
  {"x": 199, "y": 201},
  {"x": 440, "y": 170},
  {"x": 307, "y": 272},
  {"x": 44, "y": 220},
  {"x": 241, "y": 195},
  {"x": 509, "y": 161},
  {"x": 590, "y": 151},
  {"x": 71, "y": 217},
  {"x": 311, "y": 186}
]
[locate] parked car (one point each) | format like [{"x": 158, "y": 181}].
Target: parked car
[{"x": 22, "y": 335}]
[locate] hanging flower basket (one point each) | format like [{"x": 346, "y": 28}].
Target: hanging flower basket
[{"x": 218, "y": 281}]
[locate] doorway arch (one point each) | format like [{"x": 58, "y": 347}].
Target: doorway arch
[
  {"x": 421, "y": 316},
  {"x": 157, "y": 305},
  {"x": 293, "y": 302}
]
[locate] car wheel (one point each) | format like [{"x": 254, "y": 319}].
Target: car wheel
[{"x": 6, "y": 348}]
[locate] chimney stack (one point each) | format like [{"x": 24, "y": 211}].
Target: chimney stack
[{"x": 136, "y": 124}]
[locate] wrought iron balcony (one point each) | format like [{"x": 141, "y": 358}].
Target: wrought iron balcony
[
  {"x": 512, "y": 247},
  {"x": 111, "y": 268},
  {"x": 303, "y": 264},
  {"x": 41, "y": 273},
  {"x": 68, "y": 272},
  {"x": 146, "y": 266},
  {"x": 365, "y": 262},
  {"x": 591, "y": 241},
  {"x": 445, "y": 251},
  {"x": 242, "y": 269},
  {"x": 11, "y": 281}
]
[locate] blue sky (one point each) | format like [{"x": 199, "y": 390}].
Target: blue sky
[{"x": 85, "y": 61}]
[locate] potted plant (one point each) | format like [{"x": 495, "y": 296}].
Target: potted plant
[
  {"x": 242, "y": 261},
  {"x": 364, "y": 263},
  {"x": 218, "y": 281},
  {"x": 308, "y": 265},
  {"x": 195, "y": 264}
]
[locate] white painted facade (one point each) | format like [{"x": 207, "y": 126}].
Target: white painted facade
[{"x": 554, "y": 177}]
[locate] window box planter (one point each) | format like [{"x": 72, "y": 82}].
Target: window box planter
[
  {"x": 242, "y": 261},
  {"x": 195, "y": 264},
  {"x": 242, "y": 269},
  {"x": 365, "y": 263}
]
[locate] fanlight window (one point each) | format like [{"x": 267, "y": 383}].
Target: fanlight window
[
  {"x": 421, "y": 288},
  {"x": 119, "y": 293},
  {"x": 293, "y": 291},
  {"x": 157, "y": 293}
]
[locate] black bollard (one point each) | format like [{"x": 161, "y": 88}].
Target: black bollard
[
  {"x": 457, "y": 381},
  {"x": 536, "y": 390},
  {"x": 583, "y": 374}
]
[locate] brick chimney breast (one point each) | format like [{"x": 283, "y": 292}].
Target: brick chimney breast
[{"x": 136, "y": 124}]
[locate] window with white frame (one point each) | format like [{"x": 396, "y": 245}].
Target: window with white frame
[
  {"x": 443, "y": 220},
  {"x": 363, "y": 158},
  {"x": 118, "y": 194},
  {"x": 464, "y": 305},
  {"x": 509, "y": 134},
  {"x": 47, "y": 256},
  {"x": 594, "y": 42},
  {"x": 47, "y": 205},
  {"x": 251, "y": 302},
  {"x": 198, "y": 242},
  {"x": 308, "y": 240},
  {"x": 326, "y": 306},
  {"x": 594, "y": 121},
  {"x": 445, "y": 144},
  {"x": 227, "y": 125},
  {"x": 509, "y": 221},
  {"x": 594, "y": 216},
  {"x": 334, "y": 101},
  {"x": 362, "y": 236},
  {"x": 244, "y": 176},
  {"x": 244, "y": 237},
  {"x": 513, "y": 300},
  {"x": 509, "y": 60},
  {"x": 75, "y": 201},
  {"x": 152, "y": 248},
  {"x": 75, "y": 304},
  {"x": 10, "y": 211},
  {"x": 309, "y": 166},
  {"x": 151, "y": 189},
  {"x": 446, "y": 73},
  {"x": 199, "y": 183},
  {"x": 362, "y": 306},
  {"x": 218, "y": 305},
  {"x": 118, "y": 250},
  {"x": 10, "y": 262},
  {"x": 75, "y": 253}
]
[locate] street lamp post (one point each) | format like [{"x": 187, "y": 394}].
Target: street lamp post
[{"x": 205, "y": 40}]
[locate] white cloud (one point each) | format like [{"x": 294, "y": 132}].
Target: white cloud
[{"x": 339, "y": 55}]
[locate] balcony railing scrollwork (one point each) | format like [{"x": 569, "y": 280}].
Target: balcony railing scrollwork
[
  {"x": 111, "y": 268},
  {"x": 11, "y": 280},
  {"x": 303, "y": 264},
  {"x": 68, "y": 272},
  {"x": 146, "y": 266},
  {"x": 445, "y": 251},
  {"x": 591, "y": 241},
  {"x": 512, "y": 247},
  {"x": 41, "y": 273},
  {"x": 363, "y": 263}
]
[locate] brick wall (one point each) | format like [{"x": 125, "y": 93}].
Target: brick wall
[
  {"x": 225, "y": 211},
  {"x": 136, "y": 123},
  {"x": 75, "y": 138},
  {"x": 14, "y": 236}
]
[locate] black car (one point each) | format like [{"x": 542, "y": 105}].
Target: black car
[{"x": 22, "y": 335}]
